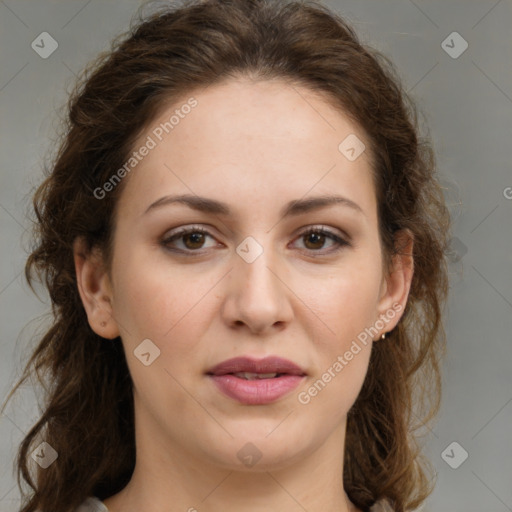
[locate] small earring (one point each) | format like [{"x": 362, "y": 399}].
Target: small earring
[
  {"x": 103, "y": 324},
  {"x": 383, "y": 336}
]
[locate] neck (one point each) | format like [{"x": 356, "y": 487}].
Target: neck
[{"x": 171, "y": 479}]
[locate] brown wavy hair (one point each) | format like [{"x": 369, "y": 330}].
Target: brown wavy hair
[{"x": 88, "y": 414}]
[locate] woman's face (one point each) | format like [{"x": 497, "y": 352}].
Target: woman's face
[{"x": 248, "y": 280}]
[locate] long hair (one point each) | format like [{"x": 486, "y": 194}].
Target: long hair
[{"x": 88, "y": 414}]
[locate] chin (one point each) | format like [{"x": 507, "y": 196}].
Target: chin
[{"x": 258, "y": 454}]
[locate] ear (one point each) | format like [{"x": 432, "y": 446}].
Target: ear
[
  {"x": 397, "y": 282},
  {"x": 95, "y": 289}
]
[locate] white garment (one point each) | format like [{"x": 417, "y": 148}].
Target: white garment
[
  {"x": 92, "y": 504},
  {"x": 381, "y": 506}
]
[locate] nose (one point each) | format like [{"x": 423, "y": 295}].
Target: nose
[{"x": 257, "y": 295}]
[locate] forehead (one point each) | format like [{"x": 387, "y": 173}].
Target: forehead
[{"x": 249, "y": 140}]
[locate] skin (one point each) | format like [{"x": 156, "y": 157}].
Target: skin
[{"x": 255, "y": 146}]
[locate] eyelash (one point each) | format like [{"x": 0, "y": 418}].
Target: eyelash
[{"x": 340, "y": 242}]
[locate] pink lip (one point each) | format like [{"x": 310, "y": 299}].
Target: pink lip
[{"x": 258, "y": 391}]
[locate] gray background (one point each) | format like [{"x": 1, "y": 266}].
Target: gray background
[{"x": 467, "y": 103}]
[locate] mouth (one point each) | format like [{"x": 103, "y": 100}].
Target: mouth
[
  {"x": 251, "y": 369},
  {"x": 256, "y": 382},
  {"x": 256, "y": 376}
]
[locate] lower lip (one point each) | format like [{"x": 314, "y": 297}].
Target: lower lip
[{"x": 258, "y": 391}]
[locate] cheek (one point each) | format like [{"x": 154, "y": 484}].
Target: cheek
[
  {"x": 347, "y": 307},
  {"x": 347, "y": 303},
  {"x": 166, "y": 306},
  {"x": 162, "y": 303}
]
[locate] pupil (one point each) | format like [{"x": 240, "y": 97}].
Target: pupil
[
  {"x": 194, "y": 237},
  {"x": 316, "y": 236}
]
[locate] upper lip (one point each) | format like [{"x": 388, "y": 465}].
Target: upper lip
[{"x": 270, "y": 364}]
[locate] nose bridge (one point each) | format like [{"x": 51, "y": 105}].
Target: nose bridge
[
  {"x": 258, "y": 297},
  {"x": 256, "y": 276}
]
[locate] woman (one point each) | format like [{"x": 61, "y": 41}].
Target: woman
[{"x": 243, "y": 239}]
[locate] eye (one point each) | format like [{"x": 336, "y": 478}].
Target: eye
[
  {"x": 193, "y": 239},
  {"x": 316, "y": 237}
]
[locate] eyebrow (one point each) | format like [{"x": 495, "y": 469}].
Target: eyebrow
[{"x": 293, "y": 208}]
